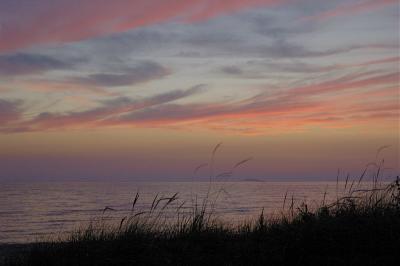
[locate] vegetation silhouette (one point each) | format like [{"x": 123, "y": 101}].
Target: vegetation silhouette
[{"x": 360, "y": 227}]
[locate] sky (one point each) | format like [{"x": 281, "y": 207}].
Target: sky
[{"x": 145, "y": 89}]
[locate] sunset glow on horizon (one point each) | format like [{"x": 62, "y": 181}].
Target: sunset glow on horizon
[{"x": 145, "y": 89}]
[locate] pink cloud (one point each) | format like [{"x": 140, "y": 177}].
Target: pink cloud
[{"x": 30, "y": 23}]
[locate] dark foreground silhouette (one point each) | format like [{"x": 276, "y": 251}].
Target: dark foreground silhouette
[{"x": 361, "y": 228}]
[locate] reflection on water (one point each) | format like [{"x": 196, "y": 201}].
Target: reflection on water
[{"x": 31, "y": 210}]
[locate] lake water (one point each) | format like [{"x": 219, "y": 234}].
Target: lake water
[{"x": 29, "y": 211}]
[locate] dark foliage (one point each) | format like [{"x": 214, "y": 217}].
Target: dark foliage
[{"x": 362, "y": 228}]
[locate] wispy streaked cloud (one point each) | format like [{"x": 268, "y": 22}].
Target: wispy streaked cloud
[
  {"x": 26, "y": 64},
  {"x": 142, "y": 72},
  {"x": 226, "y": 45},
  {"x": 347, "y": 9},
  {"x": 232, "y": 70},
  {"x": 296, "y": 107},
  {"x": 108, "y": 109},
  {"x": 290, "y": 108}
]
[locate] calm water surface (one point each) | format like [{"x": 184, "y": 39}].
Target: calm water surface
[{"x": 30, "y": 211}]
